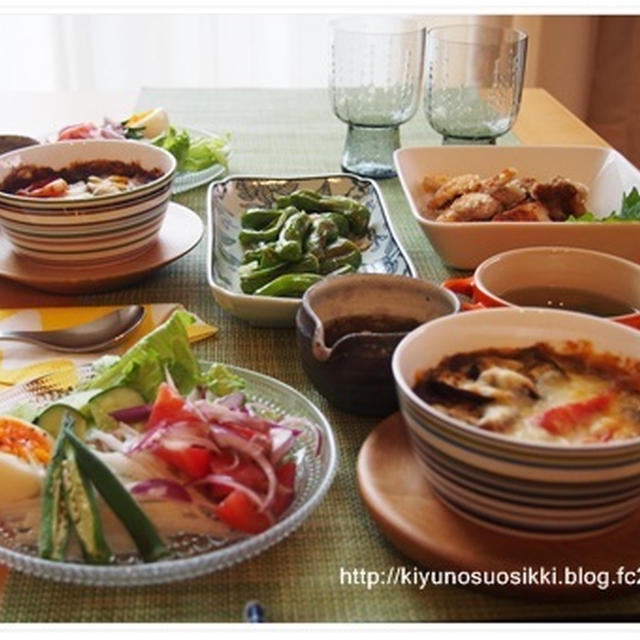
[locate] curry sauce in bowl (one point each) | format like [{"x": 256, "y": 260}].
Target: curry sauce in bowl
[{"x": 84, "y": 202}]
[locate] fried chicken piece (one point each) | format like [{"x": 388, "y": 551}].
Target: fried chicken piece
[
  {"x": 454, "y": 188},
  {"x": 506, "y": 188},
  {"x": 499, "y": 180},
  {"x": 526, "y": 212},
  {"x": 432, "y": 183},
  {"x": 561, "y": 197},
  {"x": 471, "y": 207}
]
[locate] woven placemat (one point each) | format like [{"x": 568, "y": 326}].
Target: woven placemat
[{"x": 281, "y": 133}]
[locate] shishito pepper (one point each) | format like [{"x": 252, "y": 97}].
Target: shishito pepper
[
  {"x": 323, "y": 232},
  {"x": 268, "y": 233},
  {"x": 252, "y": 276},
  {"x": 303, "y": 199},
  {"x": 259, "y": 218},
  {"x": 289, "y": 285},
  {"x": 258, "y": 254},
  {"x": 339, "y": 253},
  {"x": 125, "y": 507},
  {"x": 338, "y": 219},
  {"x": 357, "y": 214},
  {"x": 289, "y": 245}
]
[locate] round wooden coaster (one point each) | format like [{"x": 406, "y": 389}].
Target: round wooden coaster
[
  {"x": 181, "y": 231},
  {"x": 425, "y": 529}
]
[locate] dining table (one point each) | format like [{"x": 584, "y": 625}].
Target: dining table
[{"x": 278, "y": 133}]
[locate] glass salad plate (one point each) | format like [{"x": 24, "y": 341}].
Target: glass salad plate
[{"x": 191, "y": 555}]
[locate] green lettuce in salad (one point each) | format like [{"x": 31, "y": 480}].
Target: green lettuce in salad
[
  {"x": 221, "y": 381},
  {"x": 629, "y": 211},
  {"x": 194, "y": 155},
  {"x": 163, "y": 355},
  {"x": 163, "y": 352}
]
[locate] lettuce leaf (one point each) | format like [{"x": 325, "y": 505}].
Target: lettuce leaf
[
  {"x": 194, "y": 155},
  {"x": 221, "y": 381},
  {"x": 177, "y": 143},
  {"x": 145, "y": 365},
  {"x": 206, "y": 152},
  {"x": 629, "y": 211}
]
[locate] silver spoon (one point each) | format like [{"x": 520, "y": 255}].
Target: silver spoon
[{"x": 96, "y": 335}]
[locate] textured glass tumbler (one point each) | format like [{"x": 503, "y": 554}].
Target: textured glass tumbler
[
  {"x": 376, "y": 77},
  {"x": 474, "y": 77}
]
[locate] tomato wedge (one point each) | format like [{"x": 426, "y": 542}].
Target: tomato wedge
[
  {"x": 241, "y": 469},
  {"x": 169, "y": 407},
  {"x": 193, "y": 461},
  {"x": 240, "y": 513},
  {"x": 565, "y": 418},
  {"x": 286, "y": 475}
]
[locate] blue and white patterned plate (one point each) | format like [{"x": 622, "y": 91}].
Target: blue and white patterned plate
[{"x": 226, "y": 202}]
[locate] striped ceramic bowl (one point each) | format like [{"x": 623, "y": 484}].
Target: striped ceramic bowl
[
  {"x": 98, "y": 229},
  {"x": 530, "y": 487}
]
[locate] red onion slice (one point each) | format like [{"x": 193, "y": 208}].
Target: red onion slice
[
  {"x": 234, "y": 401},
  {"x": 131, "y": 415},
  {"x": 281, "y": 441},
  {"x": 223, "y": 415},
  {"x": 160, "y": 489}
]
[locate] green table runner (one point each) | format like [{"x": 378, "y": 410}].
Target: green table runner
[{"x": 281, "y": 133}]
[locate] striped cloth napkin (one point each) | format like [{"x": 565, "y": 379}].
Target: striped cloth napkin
[{"x": 20, "y": 361}]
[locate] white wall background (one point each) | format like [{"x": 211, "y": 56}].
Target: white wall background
[{"x": 116, "y": 52}]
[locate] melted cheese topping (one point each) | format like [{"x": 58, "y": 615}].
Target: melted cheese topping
[{"x": 532, "y": 395}]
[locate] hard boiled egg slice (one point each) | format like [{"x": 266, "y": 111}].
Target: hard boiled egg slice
[
  {"x": 24, "y": 454},
  {"x": 151, "y": 122}
]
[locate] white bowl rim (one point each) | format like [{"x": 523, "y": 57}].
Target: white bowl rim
[
  {"x": 26, "y": 200},
  {"x": 631, "y": 443}
]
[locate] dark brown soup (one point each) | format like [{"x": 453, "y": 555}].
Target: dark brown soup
[
  {"x": 78, "y": 180},
  {"x": 339, "y": 327},
  {"x": 567, "y": 298}
]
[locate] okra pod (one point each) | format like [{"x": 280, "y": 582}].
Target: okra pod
[
  {"x": 53, "y": 536},
  {"x": 290, "y": 285},
  {"x": 124, "y": 506},
  {"x": 83, "y": 511}
]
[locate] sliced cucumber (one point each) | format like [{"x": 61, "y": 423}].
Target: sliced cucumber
[
  {"x": 114, "y": 399},
  {"x": 51, "y": 419},
  {"x": 78, "y": 400}
]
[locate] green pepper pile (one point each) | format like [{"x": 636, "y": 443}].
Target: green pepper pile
[{"x": 306, "y": 237}]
